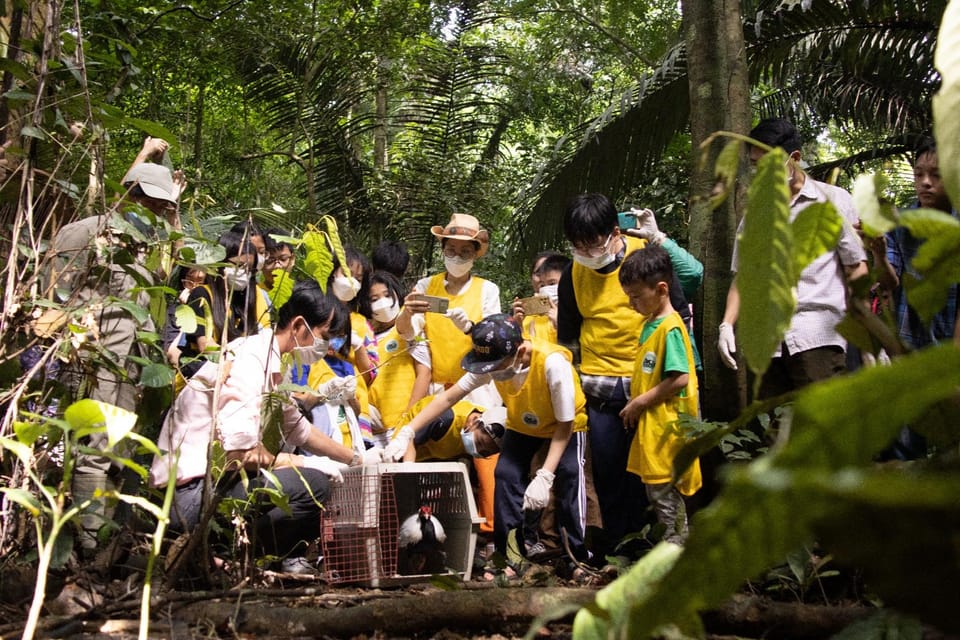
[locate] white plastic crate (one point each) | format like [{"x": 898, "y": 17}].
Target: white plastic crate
[{"x": 361, "y": 520}]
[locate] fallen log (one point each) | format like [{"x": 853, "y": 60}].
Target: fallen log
[{"x": 496, "y": 610}]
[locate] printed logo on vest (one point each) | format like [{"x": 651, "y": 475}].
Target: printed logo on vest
[
  {"x": 391, "y": 346},
  {"x": 530, "y": 419},
  {"x": 649, "y": 362}
]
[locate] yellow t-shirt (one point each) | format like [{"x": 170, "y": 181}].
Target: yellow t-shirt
[
  {"x": 539, "y": 327},
  {"x": 656, "y": 443}
]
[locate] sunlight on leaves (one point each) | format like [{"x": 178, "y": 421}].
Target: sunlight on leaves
[{"x": 876, "y": 215}]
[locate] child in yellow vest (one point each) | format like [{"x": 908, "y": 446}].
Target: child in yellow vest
[
  {"x": 663, "y": 385},
  {"x": 463, "y": 430},
  {"x": 544, "y": 401}
]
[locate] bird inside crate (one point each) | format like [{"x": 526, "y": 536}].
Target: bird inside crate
[{"x": 420, "y": 545}]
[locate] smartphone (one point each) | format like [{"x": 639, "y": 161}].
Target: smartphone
[
  {"x": 437, "y": 304},
  {"x": 535, "y": 305},
  {"x": 627, "y": 220}
]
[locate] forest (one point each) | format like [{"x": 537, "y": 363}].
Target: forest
[{"x": 377, "y": 120}]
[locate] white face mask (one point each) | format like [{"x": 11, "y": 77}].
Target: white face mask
[
  {"x": 502, "y": 375},
  {"x": 385, "y": 309},
  {"x": 311, "y": 353},
  {"x": 595, "y": 263},
  {"x": 238, "y": 279},
  {"x": 469, "y": 444},
  {"x": 551, "y": 291},
  {"x": 457, "y": 266},
  {"x": 345, "y": 288}
]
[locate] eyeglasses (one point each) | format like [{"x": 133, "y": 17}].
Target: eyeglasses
[
  {"x": 594, "y": 251},
  {"x": 465, "y": 253},
  {"x": 283, "y": 260}
]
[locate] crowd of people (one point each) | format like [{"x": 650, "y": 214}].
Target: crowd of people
[{"x": 566, "y": 405}]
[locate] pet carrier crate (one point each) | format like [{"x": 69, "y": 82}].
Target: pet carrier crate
[{"x": 362, "y": 517}]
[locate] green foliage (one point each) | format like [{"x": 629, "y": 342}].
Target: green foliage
[
  {"x": 318, "y": 260},
  {"x": 937, "y": 261},
  {"x": 946, "y": 104},
  {"x": 876, "y": 216},
  {"x": 765, "y": 271},
  {"x": 608, "y": 615}
]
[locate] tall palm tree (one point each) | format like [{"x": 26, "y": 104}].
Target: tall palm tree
[{"x": 866, "y": 64}]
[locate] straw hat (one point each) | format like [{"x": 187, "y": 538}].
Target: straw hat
[{"x": 463, "y": 226}]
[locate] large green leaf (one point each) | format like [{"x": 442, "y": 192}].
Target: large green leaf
[
  {"x": 946, "y": 104},
  {"x": 610, "y": 610},
  {"x": 876, "y": 215},
  {"x": 816, "y": 231},
  {"x": 765, "y": 276},
  {"x": 811, "y": 484},
  {"x": 88, "y": 416},
  {"x": 937, "y": 260},
  {"x": 839, "y": 422}
]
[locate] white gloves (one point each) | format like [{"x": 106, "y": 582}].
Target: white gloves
[
  {"x": 727, "y": 345},
  {"x": 537, "y": 494},
  {"x": 338, "y": 390},
  {"x": 398, "y": 446},
  {"x": 647, "y": 226},
  {"x": 459, "y": 317},
  {"x": 332, "y": 468},
  {"x": 371, "y": 456},
  {"x": 356, "y": 341}
]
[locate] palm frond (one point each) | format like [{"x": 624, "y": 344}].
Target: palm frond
[
  {"x": 864, "y": 64},
  {"x": 607, "y": 154}
]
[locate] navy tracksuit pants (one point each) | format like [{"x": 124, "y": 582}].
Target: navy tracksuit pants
[{"x": 513, "y": 475}]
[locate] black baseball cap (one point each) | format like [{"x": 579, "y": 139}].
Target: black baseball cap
[{"x": 494, "y": 338}]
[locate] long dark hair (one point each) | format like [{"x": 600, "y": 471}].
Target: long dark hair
[
  {"x": 242, "y": 310},
  {"x": 309, "y": 301}
]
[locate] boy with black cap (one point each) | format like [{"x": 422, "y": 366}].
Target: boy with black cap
[{"x": 543, "y": 399}]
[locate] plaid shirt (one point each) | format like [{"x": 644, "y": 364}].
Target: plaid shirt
[{"x": 902, "y": 247}]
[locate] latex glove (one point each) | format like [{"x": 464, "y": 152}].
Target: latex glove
[
  {"x": 356, "y": 341},
  {"x": 727, "y": 345},
  {"x": 537, "y": 494},
  {"x": 647, "y": 226},
  {"x": 348, "y": 387},
  {"x": 459, "y": 317},
  {"x": 334, "y": 389},
  {"x": 398, "y": 446},
  {"x": 331, "y": 468},
  {"x": 371, "y": 456}
]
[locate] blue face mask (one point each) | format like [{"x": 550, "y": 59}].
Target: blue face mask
[
  {"x": 336, "y": 343},
  {"x": 469, "y": 444}
]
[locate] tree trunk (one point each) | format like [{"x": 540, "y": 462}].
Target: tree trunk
[{"x": 719, "y": 100}]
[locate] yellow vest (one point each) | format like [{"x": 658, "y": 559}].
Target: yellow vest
[
  {"x": 530, "y": 408},
  {"x": 539, "y": 328},
  {"x": 320, "y": 372},
  {"x": 607, "y": 336},
  {"x": 448, "y": 344},
  {"x": 450, "y": 446},
  {"x": 656, "y": 443},
  {"x": 391, "y": 389}
]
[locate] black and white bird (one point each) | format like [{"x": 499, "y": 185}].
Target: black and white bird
[{"x": 421, "y": 544}]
